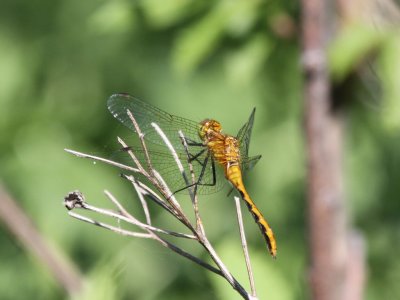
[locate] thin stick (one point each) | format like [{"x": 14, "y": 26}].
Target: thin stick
[
  {"x": 81, "y": 204},
  {"x": 170, "y": 204},
  {"x": 130, "y": 220},
  {"x": 226, "y": 274},
  {"x": 133, "y": 156},
  {"x": 146, "y": 191},
  {"x": 156, "y": 179},
  {"x": 173, "y": 152},
  {"x": 245, "y": 248},
  {"x": 161, "y": 185},
  {"x": 141, "y": 137},
  {"x": 193, "y": 195},
  {"x": 143, "y": 202},
  {"x": 121, "y": 209},
  {"x": 188, "y": 256},
  {"x": 107, "y": 161},
  {"x": 168, "y": 193},
  {"x": 109, "y": 227},
  {"x": 200, "y": 233},
  {"x": 127, "y": 216}
]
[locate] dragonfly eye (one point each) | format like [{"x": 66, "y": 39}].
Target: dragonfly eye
[
  {"x": 210, "y": 125},
  {"x": 209, "y": 128}
]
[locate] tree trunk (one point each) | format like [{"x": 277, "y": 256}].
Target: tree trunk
[{"x": 336, "y": 257}]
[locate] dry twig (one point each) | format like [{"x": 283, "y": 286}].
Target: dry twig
[{"x": 167, "y": 201}]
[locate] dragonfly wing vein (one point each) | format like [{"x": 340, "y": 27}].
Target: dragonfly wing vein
[{"x": 145, "y": 114}]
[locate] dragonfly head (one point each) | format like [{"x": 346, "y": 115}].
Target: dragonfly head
[{"x": 209, "y": 127}]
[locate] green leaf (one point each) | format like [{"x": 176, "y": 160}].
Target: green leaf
[
  {"x": 353, "y": 44},
  {"x": 197, "y": 42},
  {"x": 269, "y": 279},
  {"x": 100, "y": 284},
  {"x": 161, "y": 14},
  {"x": 112, "y": 17},
  {"x": 244, "y": 64},
  {"x": 390, "y": 75}
]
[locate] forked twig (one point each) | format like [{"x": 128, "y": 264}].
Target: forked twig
[
  {"x": 75, "y": 200},
  {"x": 143, "y": 202},
  {"x": 202, "y": 238},
  {"x": 168, "y": 201}
]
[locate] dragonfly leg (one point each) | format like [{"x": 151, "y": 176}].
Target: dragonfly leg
[
  {"x": 203, "y": 169},
  {"x": 193, "y": 143},
  {"x": 202, "y": 172},
  {"x": 192, "y": 157},
  {"x": 214, "y": 178}
]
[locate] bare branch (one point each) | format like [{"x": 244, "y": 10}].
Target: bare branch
[
  {"x": 107, "y": 161},
  {"x": 125, "y": 216},
  {"x": 168, "y": 193},
  {"x": 170, "y": 204},
  {"x": 193, "y": 194},
  {"x": 146, "y": 191},
  {"x": 143, "y": 202},
  {"x": 171, "y": 149},
  {"x": 133, "y": 157},
  {"x": 244, "y": 246},
  {"x": 109, "y": 227},
  {"x": 189, "y": 256},
  {"x": 150, "y": 233},
  {"x": 141, "y": 137}
]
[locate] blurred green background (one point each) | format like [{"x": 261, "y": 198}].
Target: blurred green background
[{"x": 61, "y": 60}]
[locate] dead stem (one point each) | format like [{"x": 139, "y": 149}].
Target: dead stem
[
  {"x": 244, "y": 247},
  {"x": 168, "y": 202}
]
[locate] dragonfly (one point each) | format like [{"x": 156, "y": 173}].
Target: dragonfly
[{"x": 212, "y": 153}]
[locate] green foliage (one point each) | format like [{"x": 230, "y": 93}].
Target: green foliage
[
  {"x": 163, "y": 14},
  {"x": 270, "y": 281},
  {"x": 112, "y": 17},
  {"x": 390, "y": 74},
  {"x": 100, "y": 284},
  {"x": 244, "y": 64},
  {"x": 353, "y": 46},
  {"x": 199, "y": 40}
]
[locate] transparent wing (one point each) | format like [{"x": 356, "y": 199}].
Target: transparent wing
[
  {"x": 244, "y": 136},
  {"x": 145, "y": 114},
  {"x": 164, "y": 163},
  {"x": 250, "y": 162}
]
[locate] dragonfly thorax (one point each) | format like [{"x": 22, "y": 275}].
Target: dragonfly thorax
[
  {"x": 232, "y": 151},
  {"x": 224, "y": 148}
]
